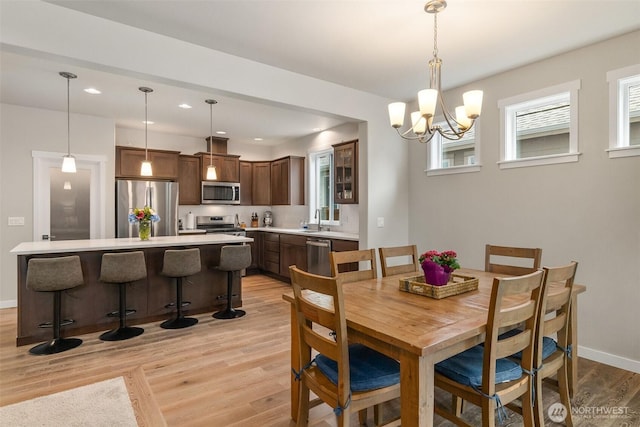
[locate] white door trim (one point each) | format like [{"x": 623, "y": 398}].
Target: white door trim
[{"x": 42, "y": 161}]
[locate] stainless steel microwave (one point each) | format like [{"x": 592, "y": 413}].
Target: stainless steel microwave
[{"x": 220, "y": 193}]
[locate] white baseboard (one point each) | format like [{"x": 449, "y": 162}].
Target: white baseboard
[
  {"x": 10, "y": 303},
  {"x": 609, "y": 359}
]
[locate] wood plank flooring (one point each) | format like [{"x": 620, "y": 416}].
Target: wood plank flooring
[{"x": 236, "y": 372}]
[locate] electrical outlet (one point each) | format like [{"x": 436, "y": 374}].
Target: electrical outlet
[
  {"x": 16, "y": 220},
  {"x": 380, "y": 221}
]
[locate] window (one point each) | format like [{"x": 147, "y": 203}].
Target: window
[
  {"x": 624, "y": 112},
  {"x": 540, "y": 127},
  {"x": 446, "y": 156},
  {"x": 321, "y": 188}
]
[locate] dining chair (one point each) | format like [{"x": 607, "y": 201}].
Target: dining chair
[
  {"x": 533, "y": 254},
  {"x": 554, "y": 355},
  {"x": 349, "y": 259},
  {"x": 484, "y": 375},
  {"x": 399, "y": 251},
  {"x": 349, "y": 378}
]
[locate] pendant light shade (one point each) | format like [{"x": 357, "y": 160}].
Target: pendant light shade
[
  {"x": 211, "y": 170},
  {"x": 68, "y": 161},
  {"x": 145, "y": 168}
]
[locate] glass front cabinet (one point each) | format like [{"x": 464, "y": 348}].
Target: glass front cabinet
[{"x": 346, "y": 172}]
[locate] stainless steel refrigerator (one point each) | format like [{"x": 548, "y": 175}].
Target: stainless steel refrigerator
[{"x": 162, "y": 196}]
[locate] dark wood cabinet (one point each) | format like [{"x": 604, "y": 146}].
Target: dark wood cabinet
[
  {"x": 287, "y": 181},
  {"x": 246, "y": 181},
  {"x": 189, "y": 180},
  {"x": 345, "y": 158},
  {"x": 227, "y": 166},
  {"x": 261, "y": 184},
  {"x": 164, "y": 163},
  {"x": 293, "y": 251},
  {"x": 256, "y": 250},
  {"x": 271, "y": 252}
]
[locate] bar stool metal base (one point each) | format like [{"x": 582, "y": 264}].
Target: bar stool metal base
[
  {"x": 179, "y": 323},
  {"x": 55, "y": 346},
  {"x": 229, "y": 313},
  {"x": 121, "y": 334}
]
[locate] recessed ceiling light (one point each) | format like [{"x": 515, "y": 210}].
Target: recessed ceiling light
[
  {"x": 221, "y": 132},
  {"x": 257, "y": 139},
  {"x": 148, "y": 122},
  {"x": 185, "y": 106},
  {"x": 92, "y": 91}
]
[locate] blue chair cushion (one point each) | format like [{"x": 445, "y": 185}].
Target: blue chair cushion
[
  {"x": 548, "y": 344},
  {"x": 466, "y": 368},
  {"x": 369, "y": 369}
]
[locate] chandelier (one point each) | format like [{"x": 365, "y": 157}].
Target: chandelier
[{"x": 422, "y": 128}]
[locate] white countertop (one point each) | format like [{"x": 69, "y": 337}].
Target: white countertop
[
  {"x": 46, "y": 246},
  {"x": 320, "y": 234}
]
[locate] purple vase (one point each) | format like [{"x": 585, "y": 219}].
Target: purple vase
[{"x": 435, "y": 274}]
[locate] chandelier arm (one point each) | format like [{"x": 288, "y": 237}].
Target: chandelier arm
[{"x": 420, "y": 138}]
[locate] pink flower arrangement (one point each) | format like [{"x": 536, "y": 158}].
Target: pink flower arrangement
[{"x": 447, "y": 259}]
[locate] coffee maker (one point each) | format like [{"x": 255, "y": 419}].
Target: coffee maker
[{"x": 268, "y": 219}]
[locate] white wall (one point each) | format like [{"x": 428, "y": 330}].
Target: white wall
[
  {"x": 587, "y": 211},
  {"x": 23, "y": 130}
]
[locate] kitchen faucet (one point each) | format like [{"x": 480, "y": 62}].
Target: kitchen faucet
[{"x": 317, "y": 216}]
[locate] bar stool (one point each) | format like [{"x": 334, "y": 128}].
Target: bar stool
[
  {"x": 55, "y": 275},
  {"x": 179, "y": 264},
  {"x": 121, "y": 269},
  {"x": 233, "y": 258}
]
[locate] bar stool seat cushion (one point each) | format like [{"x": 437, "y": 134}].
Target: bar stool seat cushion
[
  {"x": 234, "y": 257},
  {"x": 124, "y": 267},
  {"x": 181, "y": 262},
  {"x": 54, "y": 274}
]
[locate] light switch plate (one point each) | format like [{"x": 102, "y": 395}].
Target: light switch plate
[
  {"x": 380, "y": 221},
  {"x": 16, "y": 220}
]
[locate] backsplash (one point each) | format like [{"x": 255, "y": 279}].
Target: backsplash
[{"x": 283, "y": 216}]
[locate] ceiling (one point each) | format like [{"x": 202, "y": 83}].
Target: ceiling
[{"x": 380, "y": 47}]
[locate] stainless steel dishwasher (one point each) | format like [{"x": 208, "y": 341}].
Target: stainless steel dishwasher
[{"x": 318, "y": 256}]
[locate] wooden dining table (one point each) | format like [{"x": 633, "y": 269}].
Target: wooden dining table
[{"x": 419, "y": 332}]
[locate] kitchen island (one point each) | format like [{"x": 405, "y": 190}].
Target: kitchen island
[{"x": 89, "y": 304}]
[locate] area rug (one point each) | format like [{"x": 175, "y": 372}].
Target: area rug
[{"x": 106, "y": 403}]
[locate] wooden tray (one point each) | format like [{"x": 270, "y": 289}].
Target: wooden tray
[{"x": 458, "y": 284}]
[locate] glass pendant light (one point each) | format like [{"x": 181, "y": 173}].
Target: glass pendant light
[
  {"x": 145, "y": 168},
  {"x": 211, "y": 170},
  {"x": 68, "y": 161}
]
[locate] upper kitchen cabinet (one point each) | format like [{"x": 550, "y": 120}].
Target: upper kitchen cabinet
[
  {"x": 246, "y": 179},
  {"x": 261, "y": 183},
  {"x": 346, "y": 172},
  {"x": 163, "y": 162},
  {"x": 287, "y": 181},
  {"x": 227, "y": 166},
  {"x": 189, "y": 180}
]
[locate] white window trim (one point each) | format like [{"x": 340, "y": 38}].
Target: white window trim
[
  {"x": 618, "y": 109},
  {"x": 435, "y": 157},
  {"x": 507, "y": 126},
  {"x": 313, "y": 185}
]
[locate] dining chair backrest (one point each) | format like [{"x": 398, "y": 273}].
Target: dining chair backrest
[
  {"x": 399, "y": 251},
  {"x": 507, "y": 309},
  {"x": 339, "y": 259},
  {"x": 491, "y": 251},
  {"x": 552, "y": 355}
]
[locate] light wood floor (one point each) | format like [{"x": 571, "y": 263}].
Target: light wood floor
[{"x": 236, "y": 372}]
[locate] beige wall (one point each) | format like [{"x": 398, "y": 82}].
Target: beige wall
[
  {"x": 587, "y": 211},
  {"x": 22, "y": 131}
]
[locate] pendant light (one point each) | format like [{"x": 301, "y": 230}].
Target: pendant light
[
  {"x": 211, "y": 170},
  {"x": 145, "y": 168},
  {"x": 68, "y": 161}
]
